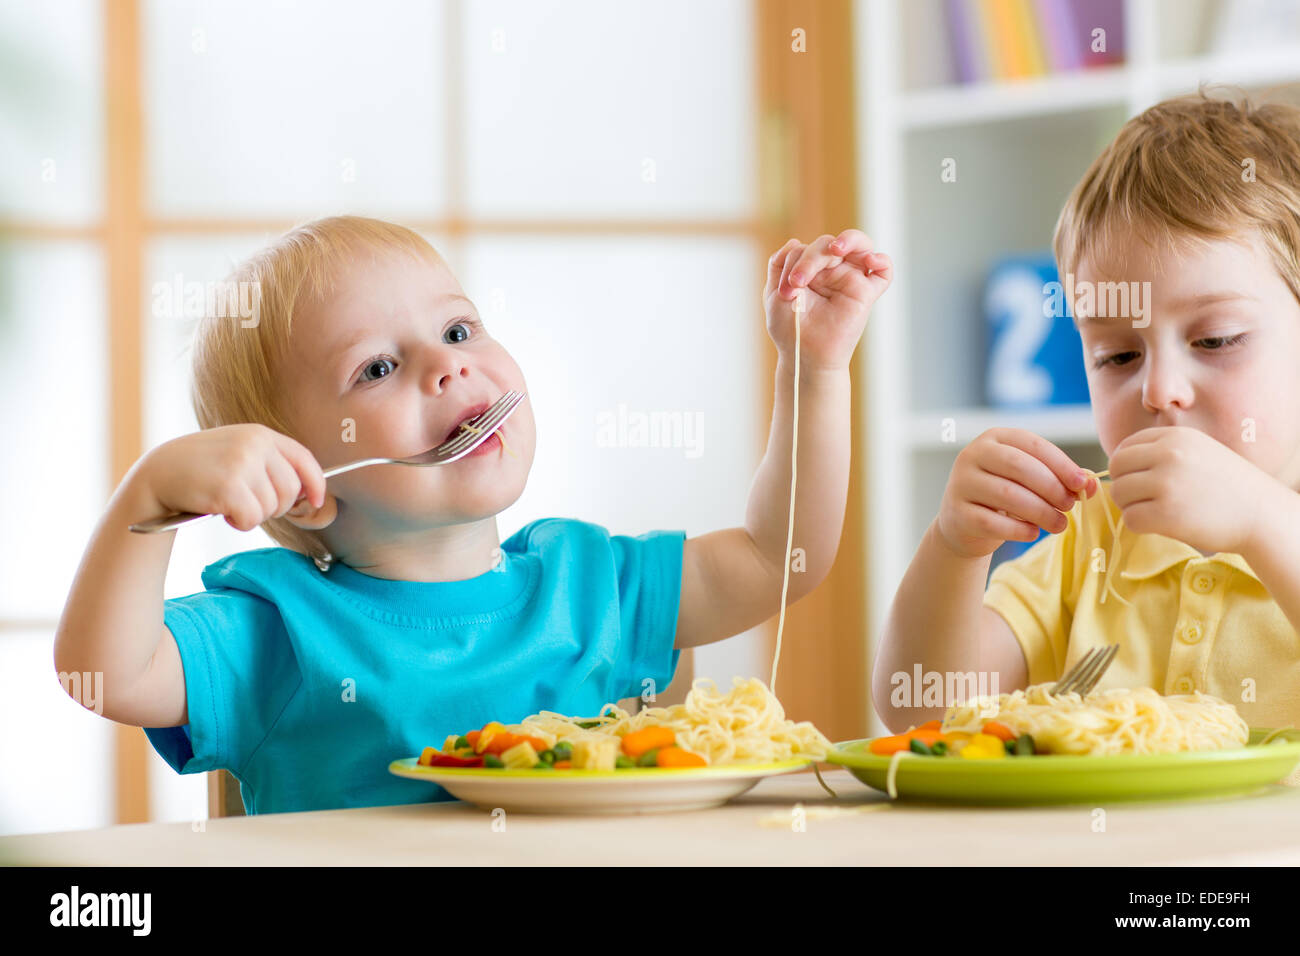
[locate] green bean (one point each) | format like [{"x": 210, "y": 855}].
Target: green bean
[
  {"x": 919, "y": 747},
  {"x": 649, "y": 759},
  {"x": 492, "y": 760},
  {"x": 1024, "y": 746}
]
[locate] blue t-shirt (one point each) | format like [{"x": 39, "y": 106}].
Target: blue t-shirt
[{"x": 307, "y": 685}]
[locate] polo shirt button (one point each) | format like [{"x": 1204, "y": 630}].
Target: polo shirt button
[
  {"x": 1191, "y": 634},
  {"x": 1183, "y": 685},
  {"x": 1203, "y": 583}
]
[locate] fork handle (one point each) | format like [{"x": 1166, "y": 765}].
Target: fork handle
[{"x": 167, "y": 522}]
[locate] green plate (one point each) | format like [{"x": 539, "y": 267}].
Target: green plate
[{"x": 1092, "y": 780}]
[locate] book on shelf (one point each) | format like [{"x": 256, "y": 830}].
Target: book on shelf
[{"x": 993, "y": 40}]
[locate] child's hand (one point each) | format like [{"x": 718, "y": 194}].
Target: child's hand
[
  {"x": 1184, "y": 484},
  {"x": 1004, "y": 486},
  {"x": 839, "y": 279},
  {"x": 248, "y": 473}
]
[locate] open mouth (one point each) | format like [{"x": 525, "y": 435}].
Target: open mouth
[{"x": 467, "y": 418}]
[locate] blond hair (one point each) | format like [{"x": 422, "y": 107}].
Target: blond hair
[
  {"x": 235, "y": 365},
  {"x": 1192, "y": 168}
]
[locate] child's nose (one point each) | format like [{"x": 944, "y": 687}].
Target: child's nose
[{"x": 1165, "y": 384}]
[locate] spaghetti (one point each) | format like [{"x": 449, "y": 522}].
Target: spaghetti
[
  {"x": 745, "y": 725},
  {"x": 1112, "y": 559},
  {"x": 794, "y": 468},
  {"x": 478, "y": 431},
  {"x": 1117, "y": 721}
]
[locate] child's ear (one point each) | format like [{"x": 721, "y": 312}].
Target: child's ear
[{"x": 305, "y": 515}]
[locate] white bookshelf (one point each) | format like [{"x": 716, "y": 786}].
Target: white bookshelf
[{"x": 1020, "y": 147}]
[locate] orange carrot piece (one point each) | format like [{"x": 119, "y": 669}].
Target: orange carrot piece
[
  {"x": 1000, "y": 731},
  {"x": 650, "y": 738},
  {"x": 931, "y": 725},
  {"x": 563, "y": 764},
  {"x": 677, "y": 757}
]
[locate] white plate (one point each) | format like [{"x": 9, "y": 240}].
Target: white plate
[{"x": 639, "y": 790}]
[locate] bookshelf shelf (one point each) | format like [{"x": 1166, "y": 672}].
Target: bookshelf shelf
[
  {"x": 1019, "y": 146},
  {"x": 984, "y": 102}
]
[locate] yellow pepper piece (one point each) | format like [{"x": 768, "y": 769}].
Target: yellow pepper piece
[
  {"x": 490, "y": 730},
  {"x": 984, "y": 747}
]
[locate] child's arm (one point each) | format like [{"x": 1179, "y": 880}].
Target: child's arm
[
  {"x": 112, "y": 622},
  {"x": 731, "y": 579},
  {"x": 1004, "y": 486}
]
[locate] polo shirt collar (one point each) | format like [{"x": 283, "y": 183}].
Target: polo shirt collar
[{"x": 1147, "y": 555}]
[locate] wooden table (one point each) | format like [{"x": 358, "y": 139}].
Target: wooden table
[{"x": 761, "y": 827}]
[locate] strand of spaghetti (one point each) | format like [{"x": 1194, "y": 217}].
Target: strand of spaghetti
[
  {"x": 794, "y": 465},
  {"x": 1116, "y": 552},
  {"x": 501, "y": 438}
]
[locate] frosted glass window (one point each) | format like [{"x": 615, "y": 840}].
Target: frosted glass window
[
  {"x": 53, "y": 406},
  {"x": 600, "y": 110},
  {"x": 51, "y": 110},
  {"x": 642, "y": 326},
  {"x": 302, "y": 108},
  {"x": 58, "y": 756}
]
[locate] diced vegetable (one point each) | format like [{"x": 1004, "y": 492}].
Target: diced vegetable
[
  {"x": 623, "y": 762},
  {"x": 547, "y": 756},
  {"x": 984, "y": 747},
  {"x": 451, "y": 760},
  {"x": 939, "y": 748},
  {"x": 462, "y": 742},
  {"x": 884, "y": 746},
  {"x": 931, "y": 725},
  {"x": 563, "y": 750},
  {"x": 1024, "y": 746},
  {"x": 1000, "y": 731},
  {"x": 677, "y": 757},
  {"x": 426, "y": 757},
  {"x": 491, "y": 730},
  {"x": 562, "y": 764},
  {"x": 449, "y": 745},
  {"x": 492, "y": 760},
  {"x": 917, "y": 747},
  {"x": 595, "y": 754},
  {"x": 520, "y": 756},
  {"x": 648, "y": 759},
  {"x": 650, "y": 738}
]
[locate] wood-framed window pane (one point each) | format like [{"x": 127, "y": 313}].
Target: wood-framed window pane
[
  {"x": 54, "y": 417},
  {"x": 299, "y": 108},
  {"x": 51, "y": 111},
  {"x": 586, "y": 112}
]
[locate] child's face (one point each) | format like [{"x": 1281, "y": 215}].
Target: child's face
[
  {"x": 387, "y": 368},
  {"x": 1219, "y": 355}
]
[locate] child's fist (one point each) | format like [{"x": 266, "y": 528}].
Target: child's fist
[
  {"x": 248, "y": 473},
  {"x": 1004, "y": 486},
  {"x": 832, "y": 285}
]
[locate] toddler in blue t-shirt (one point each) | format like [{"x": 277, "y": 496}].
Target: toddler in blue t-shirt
[{"x": 393, "y": 615}]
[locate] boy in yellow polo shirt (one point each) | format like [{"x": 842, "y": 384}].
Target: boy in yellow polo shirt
[{"x": 1189, "y": 557}]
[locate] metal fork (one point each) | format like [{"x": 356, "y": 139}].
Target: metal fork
[
  {"x": 1087, "y": 671},
  {"x": 460, "y": 446}
]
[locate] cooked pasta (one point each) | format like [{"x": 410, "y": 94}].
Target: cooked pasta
[
  {"x": 745, "y": 725},
  {"x": 1117, "y": 721}
]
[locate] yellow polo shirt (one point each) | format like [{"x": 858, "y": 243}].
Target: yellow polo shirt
[{"x": 1195, "y": 622}]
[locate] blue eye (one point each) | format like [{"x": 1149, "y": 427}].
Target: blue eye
[
  {"x": 458, "y": 325},
  {"x": 378, "y": 363}
]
